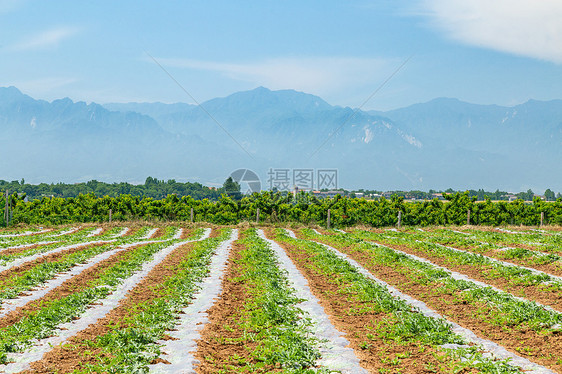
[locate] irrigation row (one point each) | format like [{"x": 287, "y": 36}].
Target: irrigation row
[
  {"x": 21, "y": 361},
  {"x": 462, "y": 277},
  {"x": 493, "y": 348},
  {"x": 149, "y": 234},
  {"x": 44, "y": 251},
  {"x": 335, "y": 354},
  {"x": 26, "y": 233},
  {"x": 12, "y": 304},
  {"x": 477, "y": 258},
  {"x": 179, "y": 352},
  {"x": 22, "y": 260},
  {"x": 505, "y": 263},
  {"x": 96, "y": 232}
]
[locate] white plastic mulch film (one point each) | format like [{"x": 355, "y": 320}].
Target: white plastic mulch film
[
  {"x": 495, "y": 349},
  {"x": 180, "y": 352},
  {"x": 335, "y": 353},
  {"x": 21, "y": 361}
]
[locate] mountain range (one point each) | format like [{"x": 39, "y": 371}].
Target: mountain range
[{"x": 435, "y": 145}]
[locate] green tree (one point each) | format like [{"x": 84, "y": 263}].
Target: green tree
[
  {"x": 231, "y": 188},
  {"x": 549, "y": 195}
]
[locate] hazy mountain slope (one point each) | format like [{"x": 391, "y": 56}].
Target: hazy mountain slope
[
  {"x": 67, "y": 141},
  {"x": 439, "y": 144}
]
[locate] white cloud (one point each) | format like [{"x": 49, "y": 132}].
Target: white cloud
[
  {"x": 530, "y": 28},
  {"x": 45, "y": 39},
  {"x": 324, "y": 76}
]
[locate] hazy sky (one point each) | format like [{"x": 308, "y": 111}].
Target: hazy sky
[{"x": 487, "y": 52}]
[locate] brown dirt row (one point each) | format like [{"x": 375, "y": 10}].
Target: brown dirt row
[
  {"x": 360, "y": 324},
  {"x": 554, "y": 268},
  {"x": 69, "y": 287},
  {"x": 132, "y": 231},
  {"x": 12, "y": 251},
  {"x": 158, "y": 234},
  {"x": 539, "y": 293},
  {"x": 187, "y": 232},
  {"x": 542, "y": 347},
  {"x": 218, "y": 347},
  {"x": 9, "y": 273},
  {"x": 74, "y": 354},
  {"x": 34, "y": 234}
]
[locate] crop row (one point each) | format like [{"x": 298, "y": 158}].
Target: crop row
[
  {"x": 519, "y": 325},
  {"x": 40, "y": 319},
  {"x": 296, "y": 304}
]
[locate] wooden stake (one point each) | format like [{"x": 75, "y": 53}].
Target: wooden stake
[
  {"x": 191, "y": 214},
  {"x": 258, "y": 216},
  {"x": 109, "y": 215},
  {"x": 328, "y": 223},
  {"x": 468, "y": 218},
  {"x": 6, "y": 211},
  {"x": 542, "y": 218}
]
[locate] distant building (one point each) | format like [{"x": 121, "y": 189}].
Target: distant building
[{"x": 323, "y": 194}]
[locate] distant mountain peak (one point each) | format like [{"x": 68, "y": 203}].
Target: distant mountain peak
[
  {"x": 10, "y": 93},
  {"x": 264, "y": 98}
]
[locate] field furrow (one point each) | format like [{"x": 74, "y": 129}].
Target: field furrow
[
  {"x": 522, "y": 327},
  {"x": 67, "y": 309},
  {"x": 137, "y": 315},
  {"x": 485, "y": 344},
  {"x": 179, "y": 346},
  {"x": 386, "y": 333},
  {"x": 522, "y": 281}
]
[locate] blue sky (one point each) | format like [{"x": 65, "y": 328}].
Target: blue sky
[{"x": 488, "y": 52}]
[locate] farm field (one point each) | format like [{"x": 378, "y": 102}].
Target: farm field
[{"x": 182, "y": 298}]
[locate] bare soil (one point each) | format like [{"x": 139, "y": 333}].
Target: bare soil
[
  {"x": 539, "y": 294},
  {"x": 69, "y": 287},
  {"x": 219, "y": 343},
  {"x": 543, "y": 347},
  {"x": 187, "y": 232},
  {"x": 357, "y": 322},
  {"x": 75, "y": 354},
  {"x": 14, "y": 271}
]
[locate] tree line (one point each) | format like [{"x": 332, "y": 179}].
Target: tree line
[
  {"x": 159, "y": 189},
  {"x": 152, "y": 187},
  {"x": 282, "y": 207}
]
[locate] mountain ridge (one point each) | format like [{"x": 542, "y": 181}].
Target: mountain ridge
[{"x": 442, "y": 143}]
